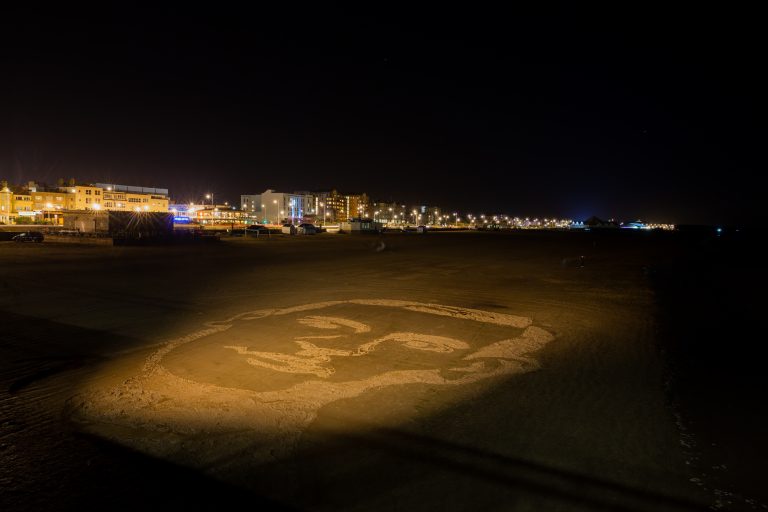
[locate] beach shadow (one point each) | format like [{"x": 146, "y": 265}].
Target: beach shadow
[{"x": 383, "y": 468}]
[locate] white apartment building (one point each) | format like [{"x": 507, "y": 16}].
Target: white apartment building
[{"x": 280, "y": 207}]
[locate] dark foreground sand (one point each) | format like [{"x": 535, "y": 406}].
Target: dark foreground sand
[{"x": 459, "y": 371}]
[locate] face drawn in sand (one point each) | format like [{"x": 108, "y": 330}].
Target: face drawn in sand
[{"x": 258, "y": 379}]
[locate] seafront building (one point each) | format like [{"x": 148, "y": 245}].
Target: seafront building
[
  {"x": 251, "y": 204},
  {"x": 131, "y": 198},
  {"x": 37, "y": 202},
  {"x": 358, "y": 206},
  {"x": 331, "y": 206},
  {"x": 6, "y": 202},
  {"x": 282, "y": 207},
  {"x": 389, "y": 213},
  {"x": 209, "y": 214},
  {"x": 303, "y": 206}
]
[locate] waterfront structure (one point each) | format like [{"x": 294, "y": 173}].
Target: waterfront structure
[
  {"x": 357, "y": 206},
  {"x": 35, "y": 202},
  {"x": 252, "y": 205},
  {"x": 330, "y": 206},
  {"x": 429, "y": 215},
  {"x": 360, "y": 225},
  {"x": 6, "y": 202},
  {"x": 120, "y": 224},
  {"x": 389, "y": 213},
  {"x": 131, "y": 198},
  {"x": 81, "y": 197},
  {"x": 279, "y": 207},
  {"x": 213, "y": 214},
  {"x": 20, "y": 206}
]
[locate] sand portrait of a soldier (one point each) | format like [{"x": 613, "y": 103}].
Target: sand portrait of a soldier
[{"x": 266, "y": 374}]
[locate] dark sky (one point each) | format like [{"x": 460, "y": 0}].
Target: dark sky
[{"x": 635, "y": 113}]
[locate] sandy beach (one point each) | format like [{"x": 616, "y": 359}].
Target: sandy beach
[{"x": 449, "y": 371}]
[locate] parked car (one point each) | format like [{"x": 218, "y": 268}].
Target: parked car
[
  {"x": 307, "y": 229},
  {"x": 29, "y": 236},
  {"x": 256, "y": 230},
  {"x": 421, "y": 229},
  {"x": 288, "y": 229}
]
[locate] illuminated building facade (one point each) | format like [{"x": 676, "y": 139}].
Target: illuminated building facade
[
  {"x": 358, "y": 206},
  {"x": 431, "y": 215},
  {"x": 331, "y": 206},
  {"x": 129, "y": 198},
  {"x": 216, "y": 214},
  {"x": 20, "y": 209},
  {"x": 282, "y": 207},
  {"x": 36, "y": 202},
  {"x": 83, "y": 197},
  {"x": 251, "y": 204},
  {"x": 6, "y": 202},
  {"x": 389, "y": 213}
]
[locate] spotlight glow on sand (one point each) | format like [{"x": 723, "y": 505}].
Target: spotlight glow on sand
[{"x": 254, "y": 382}]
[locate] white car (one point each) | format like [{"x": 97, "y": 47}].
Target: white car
[{"x": 288, "y": 229}]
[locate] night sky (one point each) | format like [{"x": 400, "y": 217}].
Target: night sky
[{"x": 638, "y": 113}]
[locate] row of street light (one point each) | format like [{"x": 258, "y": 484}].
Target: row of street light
[{"x": 402, "y": 218}]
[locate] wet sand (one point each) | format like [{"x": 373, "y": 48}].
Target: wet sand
[{"x": 431, "y": 409}]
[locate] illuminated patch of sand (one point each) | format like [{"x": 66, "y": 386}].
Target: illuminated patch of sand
[
  {"x": 308, "y": 361},
  {"x": 314, "y": 360},
  {"x": 532, "y": 339},
  {"x": 332, "y": 322},
  {"x": 452, "y": 311},
  {"x": 335, "y": 336},
  {"x": 416, "y": 341},
  {"x": 203, "y": 424}
]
